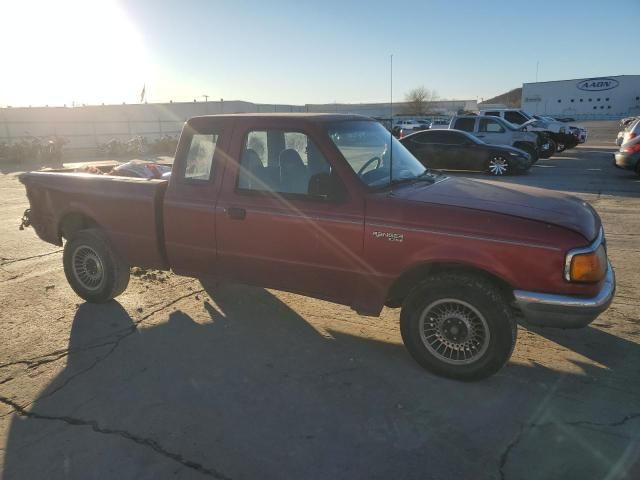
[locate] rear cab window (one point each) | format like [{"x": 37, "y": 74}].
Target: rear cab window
[{"x": 199, "y": 159}]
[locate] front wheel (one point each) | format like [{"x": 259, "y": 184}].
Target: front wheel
[
  {"x": 93, "y": 269},
  {"x": 533, "y": 153},
  {"x": 458, "y": 326},
  {"x": 498, "y": 165},
  {"x": 549, "y": 148}
]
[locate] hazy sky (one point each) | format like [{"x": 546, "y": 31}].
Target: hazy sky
[{"x": 84, "y": 51}]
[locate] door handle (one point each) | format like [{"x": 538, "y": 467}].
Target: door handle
[{"x": 236, "y": 213}]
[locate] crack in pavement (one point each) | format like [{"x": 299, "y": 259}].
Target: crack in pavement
[
  {"x": 504, "y": 457},
  {"x": 35, "y": 362},
  {"x": 145, "y": 442},
  {"x": 115, "y": 343},
  {"x": 505, "y": 453},
  {"x": 14, "y": 260}
]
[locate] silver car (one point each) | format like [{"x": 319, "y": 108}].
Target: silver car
[{"x": 631, "y": 131}]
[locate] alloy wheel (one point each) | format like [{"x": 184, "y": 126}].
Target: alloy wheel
[
  {"x": 454, "y": 331},
  {"x": 87, "y": 267},
  {"x": 498, "y": 165}
]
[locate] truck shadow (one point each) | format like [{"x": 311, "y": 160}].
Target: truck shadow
[{"x": 245, "y": 387}]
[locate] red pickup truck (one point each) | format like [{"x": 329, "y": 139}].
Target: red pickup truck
[{"x": 333, "y": 207}]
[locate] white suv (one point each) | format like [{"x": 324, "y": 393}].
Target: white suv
[
  {"x": 559, "y": 134},
  {"x": 407, "y": 124}
]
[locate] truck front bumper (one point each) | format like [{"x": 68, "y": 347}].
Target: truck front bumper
[{"x": 565, "y": 311}]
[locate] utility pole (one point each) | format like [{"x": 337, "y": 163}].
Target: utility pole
[
  {"x": 206, "y": 98},
  {"x": 391, "y": 90}
]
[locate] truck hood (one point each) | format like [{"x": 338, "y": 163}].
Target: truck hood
[
  {"x": 544, "y": 125},
  {"x": 531, "y": 203}
]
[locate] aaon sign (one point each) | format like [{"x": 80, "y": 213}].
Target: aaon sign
[{"x": 597, "y": 84}]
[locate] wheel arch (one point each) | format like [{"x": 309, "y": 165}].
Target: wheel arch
[
  {"x": 72, "y": 222},
  {"x": 524, "y": 143},
  {"x": 406, "y": 282}
]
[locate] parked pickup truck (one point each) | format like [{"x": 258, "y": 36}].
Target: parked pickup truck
[
  {"x": 559, "y": 134},
  {"x": 497, "y": 131},
  {"x": 331, "y": 206}
]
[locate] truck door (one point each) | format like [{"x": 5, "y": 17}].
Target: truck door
[
  {"x": 271, "y": 229},
  {"x": 189, "y": 204},
  {"x": 491, "y": 131}
]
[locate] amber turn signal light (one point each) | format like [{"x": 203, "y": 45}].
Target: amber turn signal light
[{"x": 589, "y": 267}]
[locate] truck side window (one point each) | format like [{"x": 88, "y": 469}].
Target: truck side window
[
  {"x": 514, "y": 117},
  {"x": 257, "y": 141},
  {"x": 280, "y": 162},
  {"x": 465, "y": 124},
  {"x": 489, "y": 125},
  {"x": 200, "y": 156},
  {"x": 493, "y": 114}
]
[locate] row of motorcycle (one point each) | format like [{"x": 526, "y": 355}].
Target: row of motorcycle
[
  {"x": 32, "y": 149},
  {"x": 44, "y": 150},
  {"x": 138, "y": 145}
]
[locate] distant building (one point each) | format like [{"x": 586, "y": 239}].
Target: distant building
[
  {"x": 584, "y": 98},
  {"x": 92, "y": 125},
  {"x": 383, "y": 110}
]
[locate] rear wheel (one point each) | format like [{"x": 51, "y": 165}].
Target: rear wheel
[
  {"x": 498, "y": 165},
  {"x": 458, "y": 326},
  {"x": 93, "y": 269}
]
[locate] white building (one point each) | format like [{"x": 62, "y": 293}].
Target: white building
[{"x": 584, "y": 98}]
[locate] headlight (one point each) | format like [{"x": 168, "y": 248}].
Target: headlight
[{"x": 587, "y": 265}]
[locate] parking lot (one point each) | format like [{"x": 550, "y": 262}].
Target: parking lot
[{"x": 187, "y": 380}]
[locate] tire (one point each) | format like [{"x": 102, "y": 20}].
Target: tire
[
  {"x": 498, "y": 165},
  {"x": 547, "y": 153},
  {"x": 533, "y": 153},
  {"x": 93, "y": 269},
  {"x": 458, "y": 301}
]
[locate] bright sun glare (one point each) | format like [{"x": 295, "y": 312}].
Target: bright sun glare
[{"x": 64, "y": 51}]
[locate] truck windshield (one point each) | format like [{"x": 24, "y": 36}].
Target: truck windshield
[{"x": 365, "y": 146}]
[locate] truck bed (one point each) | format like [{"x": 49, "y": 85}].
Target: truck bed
[{"x": 128, "y": 210}]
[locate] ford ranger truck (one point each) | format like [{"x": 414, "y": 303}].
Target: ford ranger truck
[{"x": 333, "y": 207}]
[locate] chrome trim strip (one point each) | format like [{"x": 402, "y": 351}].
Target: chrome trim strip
[
  {"x": 578, "y": 251},
  {"x": 301, "y": 216},
  {"x": 460, "y": 235},
  {"x": 599, "y": 301}
]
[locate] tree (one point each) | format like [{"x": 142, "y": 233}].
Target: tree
[{"x": 418, "y": 100}]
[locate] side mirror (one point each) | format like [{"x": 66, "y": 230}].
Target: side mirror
[{"x": 327, "y": 186}]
